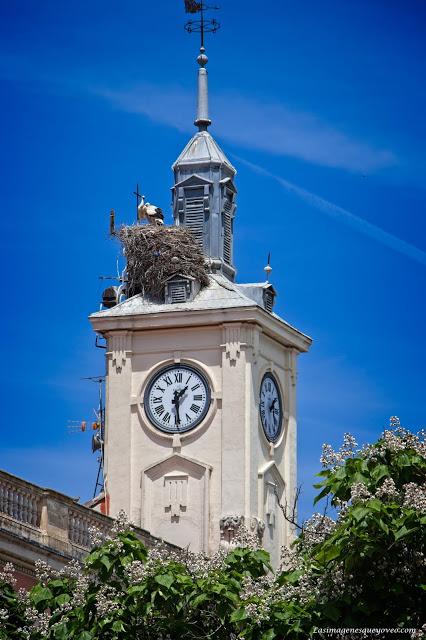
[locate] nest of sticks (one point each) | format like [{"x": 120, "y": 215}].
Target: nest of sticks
[{"x": 154, "y": 254}]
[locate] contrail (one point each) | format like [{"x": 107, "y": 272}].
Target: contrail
[{"x": 331, "y": 209}]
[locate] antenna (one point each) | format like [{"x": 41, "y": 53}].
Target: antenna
[
  {"x": 202, "y": 25},
  {"x": 77, "y": 426},
  {"x": 116, "y": 293},
  {"x": 98, "y": 426},
  {"x": 98, "y": 437}
]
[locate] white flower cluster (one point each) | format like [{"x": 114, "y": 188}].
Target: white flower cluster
[
  {"x": 258, "y": 612},
  {"x": 290, "y": 560},
  {"x": 260, "y": 595},
  {"x": 337, "y": 581},
  {"x": 306, "y": 589},
  {"x": 82, "y": 585},
  {"x": 158, "y": 556},
  {"x": 255, "y": 588},
  {"x": 415, "y": 496},
  {"x": 121, "y": 524},
  {"x": 388, "y": 490},
  {"x": 359, "y": 492},
  {"x": 245, "y": 538},
  {"x": 395, "y": 438},
  {"x": 317, "y": 529},
  {"x": 332, "y": 458},
  {"x": 106, "y": 600},
  {"x": 201, "y": 566},
  {"x": 7, "y": 574},
  {"x": 38, "y": 621},
  {"x": 136, "y": 572},
  {"x": 400, "y": 439},
  {"x": 72, "y": 569},
  {"x": 96, "y": 536},
  {"x": 44, "y": 572}
]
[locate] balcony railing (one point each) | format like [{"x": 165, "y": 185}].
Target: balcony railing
[
  {"x": 50, "y": 520},
  {"x": 19, "y": 502}
]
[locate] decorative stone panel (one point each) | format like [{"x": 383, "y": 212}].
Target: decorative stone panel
[
  {"x": 119, "y": 344},
  {"x": 175, "y": 501}
]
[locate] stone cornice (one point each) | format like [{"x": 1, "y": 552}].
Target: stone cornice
[{"x": 271, "y": 325}]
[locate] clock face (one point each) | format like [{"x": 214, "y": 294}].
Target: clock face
[
  {"x": 270, "y": 407},
  {"x": 177, "y": 399}
]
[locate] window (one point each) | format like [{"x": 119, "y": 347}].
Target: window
[
  {"x": 227, "y": 226},
  {"x": 268, "y": 300},
  {"x": 194, "y": 213},
  {"x": 227, "y": 232},
  {"x": 177, "y": 292}
]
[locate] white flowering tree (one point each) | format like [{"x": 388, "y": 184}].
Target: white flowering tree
[{"x": 364, "y": 569}]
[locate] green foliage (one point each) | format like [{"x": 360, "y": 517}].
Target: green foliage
[
  {"x": 367, "y": 569},
  {"x": 15, "y": 611}
]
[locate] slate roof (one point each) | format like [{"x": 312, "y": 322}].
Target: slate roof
[
  {"x": 221, "y": 293},
  {"x": 203, "y": 148}
]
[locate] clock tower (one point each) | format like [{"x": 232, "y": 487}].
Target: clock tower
[{"x": 200, "y": 432}]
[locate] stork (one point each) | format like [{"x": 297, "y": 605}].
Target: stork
[{"x": 151, "y": 213}]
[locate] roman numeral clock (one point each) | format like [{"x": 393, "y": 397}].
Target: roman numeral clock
[
  {"x": 177, "y": 399},
  {"x": 271, "y": 412},
  {"x": 200, "y": 432}
]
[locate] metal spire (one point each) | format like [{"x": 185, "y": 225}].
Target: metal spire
[
  {"x": 202, "y": 26},
  {"x": 202, "y": 121}
]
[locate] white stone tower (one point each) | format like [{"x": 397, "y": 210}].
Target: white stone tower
[{"x": 201, "y": 386}]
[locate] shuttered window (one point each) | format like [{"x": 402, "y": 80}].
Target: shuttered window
[
  {"x": 227, "y": 231},
  {"x": 268, "y": 299},
  {"x": 177, "y": 292},
  {"x": 194, "y": 213}
]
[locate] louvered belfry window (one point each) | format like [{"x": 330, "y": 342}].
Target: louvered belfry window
[
  {"x": 177, "y": 292},
  {"x": 268, "y": 300},
  {"x": 194, "y": 213},
  {"x": 227, "y": 231}
]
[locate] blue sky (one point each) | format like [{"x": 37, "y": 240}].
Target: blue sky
[{"x": 321, "y": 108}]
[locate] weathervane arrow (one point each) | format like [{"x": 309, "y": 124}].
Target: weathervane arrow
[{"x": 192, "y": 7}]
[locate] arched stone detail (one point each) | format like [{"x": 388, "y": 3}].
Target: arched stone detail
[{"x": 175, "y": 501}]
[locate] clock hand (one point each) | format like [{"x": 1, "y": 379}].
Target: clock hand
[
  {"x": 177, "y": 395},
  {"x": 181, "y": 392},
  {"x": 175, "y": 401},
  {"x": 271, "y": 408}
]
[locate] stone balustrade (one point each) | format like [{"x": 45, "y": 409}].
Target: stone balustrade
[
  {"x": 42, "y": 523},
  {"x": 18, "y": 501}
]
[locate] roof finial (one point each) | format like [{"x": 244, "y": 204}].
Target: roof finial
[
  {"x": 202, "y": 26},
  {"x": 268, "y": 267}
]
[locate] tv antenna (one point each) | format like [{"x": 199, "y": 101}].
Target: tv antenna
[
  {"x": 98, "y": 436},
  {"x": 98, "y": 427}
]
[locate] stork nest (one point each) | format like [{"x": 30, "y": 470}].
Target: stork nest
[{"x": 154, "y": 254}]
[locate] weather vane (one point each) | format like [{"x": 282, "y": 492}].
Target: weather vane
[{"x": 203, "y": 25}]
